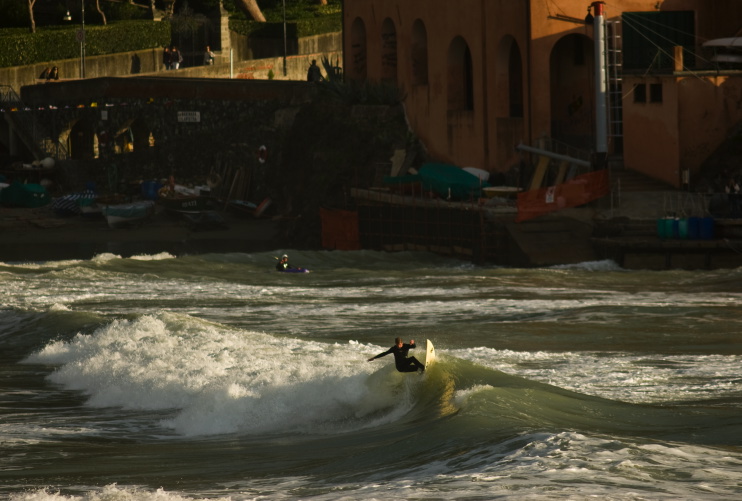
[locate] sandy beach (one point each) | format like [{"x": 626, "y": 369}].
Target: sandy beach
[{"x": 37, "y": 234}]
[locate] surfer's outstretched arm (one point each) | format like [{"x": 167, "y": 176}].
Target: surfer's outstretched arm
[
  {"x": 387, "y": 352},
  {"x": 399, "y": 349}
]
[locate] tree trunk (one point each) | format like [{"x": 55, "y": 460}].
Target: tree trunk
[
  {"x": 169, "y": 9},
  {"x": 251, "y": 8},
  {"x": 30, "y": 15},
  {"x": 102, "y": 15}
]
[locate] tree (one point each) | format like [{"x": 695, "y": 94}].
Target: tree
[
  {"x": 102, "y": 15},
  {"x": 30, "y": 15},
  {"x": 169, "y": 8},
  {"x": 251, "y": 8}
]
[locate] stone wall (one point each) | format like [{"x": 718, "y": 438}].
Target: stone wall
[{"x": 234, "y": 63}]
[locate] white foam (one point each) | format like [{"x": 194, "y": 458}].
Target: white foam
[
  {"x": 219, "y": 380},
  {"x": 622, "y": 376},
  {"x": 105, "y": 257},
  {"x": 110, "y": 492},
  {"x": 153, "y": 257}
]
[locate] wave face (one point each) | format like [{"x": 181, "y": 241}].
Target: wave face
[{"x": 213, "y": 376}]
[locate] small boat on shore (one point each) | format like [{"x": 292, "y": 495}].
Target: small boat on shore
[
  {"x": 205, "y": 220},
  {"x": 186, "y": 204},
  {"x": 245, "y": 208},
  {"x": 129, "y": 214}
]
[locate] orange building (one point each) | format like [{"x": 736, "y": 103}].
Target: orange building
[{"x": 480, "y": 77}]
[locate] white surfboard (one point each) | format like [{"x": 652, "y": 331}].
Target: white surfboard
[{"x": 429, "y": 353}]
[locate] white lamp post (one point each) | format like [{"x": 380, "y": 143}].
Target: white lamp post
[
  {"x": 80, "y": 36},
  {"x": 284, "y": 38},
  {"x": 82, "y": 41},
  {"x": 601, "y": 83}
]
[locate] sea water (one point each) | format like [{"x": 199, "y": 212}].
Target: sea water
[{"x": 215, "y": 377}]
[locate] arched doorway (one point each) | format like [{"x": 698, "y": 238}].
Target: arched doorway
[{"x": 572, "y": 91}]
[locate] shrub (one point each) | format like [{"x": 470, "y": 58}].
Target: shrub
[{"x": 59, "y": 42}]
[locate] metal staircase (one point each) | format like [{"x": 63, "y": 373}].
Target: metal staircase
[{"x": 28, "y": 129}]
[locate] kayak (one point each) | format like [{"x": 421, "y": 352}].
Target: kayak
[{"x": 294, "y": 270}]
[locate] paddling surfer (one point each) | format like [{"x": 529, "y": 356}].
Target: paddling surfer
[
  {"x": 283, "y": 263},
  {"x": 401, "y": 361}
]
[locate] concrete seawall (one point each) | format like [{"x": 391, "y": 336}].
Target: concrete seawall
[{"x": 229, "y": 63}]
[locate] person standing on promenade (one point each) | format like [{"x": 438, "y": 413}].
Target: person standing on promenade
[
  {"x": 208, "y": 56},
  {"x": 166, "y": 58},
  {"x": 175, "y": 58},
  {"x": 313, "y": 73}
]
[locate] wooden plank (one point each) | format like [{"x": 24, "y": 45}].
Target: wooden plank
[{"x": 538, "y": 176}]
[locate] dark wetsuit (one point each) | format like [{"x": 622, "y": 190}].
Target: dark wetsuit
[{"x": 403, "y": 363}]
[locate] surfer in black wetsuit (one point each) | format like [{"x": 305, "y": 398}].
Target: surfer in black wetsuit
[{"x": 400, "y": 351}]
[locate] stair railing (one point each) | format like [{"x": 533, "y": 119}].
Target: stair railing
[{"x": 27, "y": 126}]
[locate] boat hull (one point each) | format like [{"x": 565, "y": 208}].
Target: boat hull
[
  {"x": 187, "y": 204},
  {"x": 130, "y": 214}
]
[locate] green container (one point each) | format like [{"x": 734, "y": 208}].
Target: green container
[
  {"x": 671, "y": 227},
  {"x": 683, "y": 229},
  {"x": 661, "y": 229}
]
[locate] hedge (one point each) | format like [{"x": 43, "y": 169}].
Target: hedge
[
  {"x": 55, "y": 43},
  {"x": 297, "y": 28}
]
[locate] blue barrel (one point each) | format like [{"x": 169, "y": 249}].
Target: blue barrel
[
  {"x": 150, "y": 189},
  {"x": 694, "y": 228},
  {"x": 707, "y": 228}
]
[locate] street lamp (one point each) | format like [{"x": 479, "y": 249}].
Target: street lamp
[
  {"x": 80, "y": 35},
  {"x": 284, "y": 38}
]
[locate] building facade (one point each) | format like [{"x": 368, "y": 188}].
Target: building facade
[{"x": 480, "y": 77}]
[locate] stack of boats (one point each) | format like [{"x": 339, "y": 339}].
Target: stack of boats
[{"x": 195, "y": 206}]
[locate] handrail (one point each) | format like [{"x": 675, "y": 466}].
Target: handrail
[
  {"x": 8, "y": 95},
  {"x": 27, "y": 125}
]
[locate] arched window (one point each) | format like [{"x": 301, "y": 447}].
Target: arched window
[
  {"x": 358, "y": 63},
  {"x": 460, "y": 76},
  {"x": 419, "y": 52},
  {"x": 509, "y": 79},
  {"x": 388, "y": 51}
]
